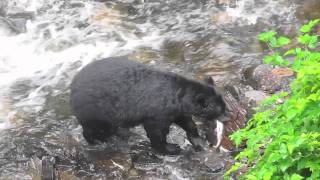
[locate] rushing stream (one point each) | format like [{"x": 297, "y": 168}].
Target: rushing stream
[{"x": 43, "y": 43}]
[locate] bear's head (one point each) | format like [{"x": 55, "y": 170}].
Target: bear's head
[{"x": 208, "y": 102}]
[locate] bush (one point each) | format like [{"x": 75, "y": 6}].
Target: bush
[{"x": 283, "y": 140}]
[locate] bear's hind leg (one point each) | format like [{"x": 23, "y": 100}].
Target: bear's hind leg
[
  {"x": 89, "y": 135},
  {"x": 157, "y": 132},
  {"x": 187, "y": 124}
]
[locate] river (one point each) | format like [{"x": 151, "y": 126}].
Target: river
[{"x": 43, "y": 43}]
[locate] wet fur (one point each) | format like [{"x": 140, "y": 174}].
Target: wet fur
[{"x": 116, "y": 92}]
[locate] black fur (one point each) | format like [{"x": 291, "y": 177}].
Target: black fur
[{"x": 116, "y": 92}]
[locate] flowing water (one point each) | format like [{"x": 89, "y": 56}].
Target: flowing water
[{"x": 43, "y": 43}]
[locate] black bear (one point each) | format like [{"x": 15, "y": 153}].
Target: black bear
[{"x": 116, "y": 92}]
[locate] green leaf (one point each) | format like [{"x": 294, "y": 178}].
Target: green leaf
[
  {"x": 304, "y": 39},
  {"x": 266, "y": 36},
  {"x": 291, "y": 113},
  {"x": 296, "y": 177},
  {"x": 285, "y": 164},
  {"x": 234, "y": 168},
  {"x": 313, "y": 42},
  {"x": 251, "y": 177},
  {"x": 273, "y": 42},
  {"x": 283, "y": 150},
  {"x": 309, "y": 40},
  {"x": 269, "y": 59},
  {"x": 281, "y": 41},
  {"x": 290, "y": 52},
  {"x": 275, "y": 60},
  {"x": 308, "y": 27},
  {"x": 267, "y": 175},
  {"x": 274, "y": 157},
  {"x": 290, "y": 148}
]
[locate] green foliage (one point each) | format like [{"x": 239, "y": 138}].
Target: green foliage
[
  {"x": 308, "y": 27},
  {"x": 283, "y": 140},
  {"x": 273, "y": 42},
  {"x": 275, "y": 59},
  {"x": 271, "y": 39},
  {"x": 310, "y": 41}
]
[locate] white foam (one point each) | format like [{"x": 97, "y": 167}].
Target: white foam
[
  {"x": 239, "y": 11},
  {"x": 250, "y": 11},
  {"x": 30, "y": 55}
]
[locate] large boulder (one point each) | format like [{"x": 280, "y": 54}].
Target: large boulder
[{"x": 263, "y": 77}]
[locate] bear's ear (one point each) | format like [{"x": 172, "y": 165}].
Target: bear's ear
[{"x": 208, "y": 80}]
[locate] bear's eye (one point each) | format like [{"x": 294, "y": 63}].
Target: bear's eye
[{"x": 202, "y": 101}]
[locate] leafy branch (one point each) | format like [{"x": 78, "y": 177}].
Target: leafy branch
[{"x": 283, "y": 141}]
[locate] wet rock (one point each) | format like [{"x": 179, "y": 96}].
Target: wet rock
[
  {"x": 27, "y": 15},
  {"x": 222, "y": 18},
  {"x": 238, "y": 118},
  {"x": 34, "y": 168},
  {"x": 66, "y": 175},
  {"x": 116, "y": 166},
  {"x": 208, "y": 164},
  {"x": 173, "y": 51},
  {"x": 21, "y": 88},
  {"x": 13, "y": 26},
  {"x": 236, "y": 91},
  {"x": 262, "y": 24},
  {"x": 108, "y": 16},
  {"x": 226, "y": 3},
  {"x": 76, "y": 5},
  {"x": 42, "y": 168},
  {"x": 212, "y": 163},
  {"x": 255, "y": 47},
  {"x": 3, "y": 7},
  {"x": 146, "y": 161},
  {"x": 19, "y": 24},
  {"x": 282, "y": 72},
  {"x": 309, "y": 10},
  {"x": 264, "y": 78},
  {"x": 224, "y": 51},
  {"x": 290, "y": 30},
  {"x": 7, "y": 27},
  {"x": 47, "y": 170},
  {"x": 256, "y": 76},
  {"x": 16, "y": 21},
  {"x": 177, "y": 136},
  {"x": 133, "y": 173},
  {"x": 57, "y": 45},
  {"x": 254, "y": 98},
  {"x": 59, "y": 104},
  {"x": 144, "y": 55}
]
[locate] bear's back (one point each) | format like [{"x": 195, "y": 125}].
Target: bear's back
[
  {"x": 121, "y": 89},
  {"x": 117, "y": 76}
]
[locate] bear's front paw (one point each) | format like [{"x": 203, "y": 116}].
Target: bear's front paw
[
  {"x": 171, "y": 149},
  {"x": 197, "y": 143}
]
